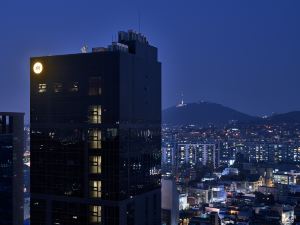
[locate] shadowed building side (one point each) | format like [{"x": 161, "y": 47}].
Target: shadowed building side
[
  {"x": 96, "y": 136},
  {"x": 11, "y": 168}
]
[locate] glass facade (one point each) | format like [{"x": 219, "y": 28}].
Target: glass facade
[
  {"x": 6, "y": 173},
  {"x": 95, "y": 147},
  {"x": 11, "y": 168},
  {"x": 95, "y": 114}
]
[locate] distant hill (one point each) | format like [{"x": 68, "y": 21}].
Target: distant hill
[
  {"x": 290, "y": 117},
  {"x": 203, "y": 114}
]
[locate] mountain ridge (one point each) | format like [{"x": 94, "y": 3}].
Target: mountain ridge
[{"x": 208, "y": 113}]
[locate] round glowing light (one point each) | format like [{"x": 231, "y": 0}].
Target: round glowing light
[{"x": 37, "y": 68}]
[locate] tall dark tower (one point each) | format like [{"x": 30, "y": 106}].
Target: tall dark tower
[
  {"x": 96, "y": 136},
  {"x": 11, "y": 168}
]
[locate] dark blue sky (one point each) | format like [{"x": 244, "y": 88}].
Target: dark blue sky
[{"x": 242, "y": 54}]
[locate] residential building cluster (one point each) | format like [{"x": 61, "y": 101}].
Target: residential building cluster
[{"x": 236, "y": 174}]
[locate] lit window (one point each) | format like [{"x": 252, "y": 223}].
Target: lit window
[
  {"x": 95, "y": 139},
  {"x": 58, "y": 87},
  {"x": 95, "y": 86},
  {"x": 95, "y": 214},
  {"x": 95, "y": 164},
  {"x": 95, "y": 189},
  {"x": 42, "y": 88},
  {"x": 74, "y": 87},
  {"x": 95, "y": 114}
]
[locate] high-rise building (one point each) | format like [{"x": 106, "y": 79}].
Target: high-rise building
[
  {"x": 211, "y": 156},
  {"x": 195, "y": 154},
  {"x": 168, "y": 154},
  {"x": 11, "y": 168},
  {"x": 96, "y": 136}
]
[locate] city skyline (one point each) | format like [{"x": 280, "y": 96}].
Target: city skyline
[
  {"x": 150, "y": 112},
  {"x": 243, "y": 55}
]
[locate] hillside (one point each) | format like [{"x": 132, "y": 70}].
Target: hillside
[
  {"x": 290, "y": 117},
  {"x": 203, "y": 113}
]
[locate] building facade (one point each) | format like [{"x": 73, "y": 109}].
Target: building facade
[
  {"x": 11, "y": 168},
  {"x": 96, "y": 136},
  {"x": 198, "y": 154},
  {"x": 170, "y": 202}
]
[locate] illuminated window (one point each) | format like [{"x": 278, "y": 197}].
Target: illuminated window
[
  {"x": 95, "y": 214},
  {"x": 95, "y": 86},
  {"x": 95, "y": 114},
  {"x": 95, "y": 164},
  {"x": 95, "y": 189},
  {"x": 74, "y": 87},
  {"x": 42, "y": 88},
  {"x": 58, "y": 87},
  {"x": 95, "y": 139}
]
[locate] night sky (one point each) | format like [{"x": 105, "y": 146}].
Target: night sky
[{"x": 242, "y": 54}]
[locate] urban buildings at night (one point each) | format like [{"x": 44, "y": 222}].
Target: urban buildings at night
[
  {"x": 199, "y": 126},
  {"x": 254, "y": 180},
  {"x": 96, "y": 135},
  {"x": 11, "y": 168}
]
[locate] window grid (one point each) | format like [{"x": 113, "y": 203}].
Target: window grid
[
  {"x": 95, "y": 114},
  {"x": 94, "y": 139},
  {"x": 58, "y": 87},
  {"x": 95, "y": 164},
  {"x": 95, "y": 189},
  {"x": 42, "y": 88},
  {"x": 95, "y": 86},
  {"x": 95, "y": 214}
]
